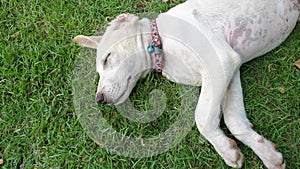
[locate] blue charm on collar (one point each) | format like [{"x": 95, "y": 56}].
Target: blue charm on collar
[{"x": 150, "y": 48}]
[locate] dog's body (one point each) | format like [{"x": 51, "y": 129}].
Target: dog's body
[
  {"x": 251, "y": 28},
  {"x": 239, "y": 30}
]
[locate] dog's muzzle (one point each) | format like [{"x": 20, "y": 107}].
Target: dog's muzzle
[{"x": 100, "y": 98}]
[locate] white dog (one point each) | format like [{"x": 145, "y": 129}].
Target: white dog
[{"x": 237, "y": 30}]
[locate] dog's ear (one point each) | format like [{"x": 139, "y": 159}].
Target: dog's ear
[
  {"x": 87, "y": 41},
  {"x": 123, "y": 19}
]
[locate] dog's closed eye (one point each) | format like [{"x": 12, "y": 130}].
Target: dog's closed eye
[{"x": 106, "y": 58}]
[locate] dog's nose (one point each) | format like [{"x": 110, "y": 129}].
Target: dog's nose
[{"x": 100, "y": 98}]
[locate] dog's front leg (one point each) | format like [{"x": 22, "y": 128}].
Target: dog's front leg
[
  {"x": 237, "y": 122},
  {"x": 207, "y": 117}
]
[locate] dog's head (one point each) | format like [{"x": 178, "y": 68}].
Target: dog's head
[{"x": 121, "y": 58}]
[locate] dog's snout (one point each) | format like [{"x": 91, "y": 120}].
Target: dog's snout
[{"x": 100, "y": 98}]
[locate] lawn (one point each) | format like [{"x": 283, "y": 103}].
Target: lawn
[{"x": 38, "y": 124}]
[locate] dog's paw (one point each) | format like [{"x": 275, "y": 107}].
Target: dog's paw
[
  {"x": 236, "y": 160},
  {"x": 267, "y": 151},
  {"x": 231, "y": 154},
  {"x": 274, "y": 161},
  {"x": 276, "y": 166}
]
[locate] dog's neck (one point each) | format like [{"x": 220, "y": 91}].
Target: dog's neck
[
  {"x": 173, "y": 67},
  {"x": 155, "y": 48},
  {"x": 147, "y": 40}
]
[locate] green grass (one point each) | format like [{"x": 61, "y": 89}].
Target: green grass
[{"x": 38, "y": 125}]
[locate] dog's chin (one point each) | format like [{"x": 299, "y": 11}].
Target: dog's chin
[
  {"x": 122, "y": 98},
  {"x": 131, "y": 82},
  {"x": 125, "y": 94},
  {"x": 120, "y": 101}
]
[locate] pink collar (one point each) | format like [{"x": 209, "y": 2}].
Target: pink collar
[{"x": 156, "y": 47}]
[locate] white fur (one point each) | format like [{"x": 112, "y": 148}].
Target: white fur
[{"x": 239, "y": 30}]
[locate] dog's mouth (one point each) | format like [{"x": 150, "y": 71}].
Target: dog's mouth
[{"x": 120, "y": 100}]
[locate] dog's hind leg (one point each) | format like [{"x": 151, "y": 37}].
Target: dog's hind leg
[
  {"x": 207, "y": 117},
  {"x": 238, "y": 124}
]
